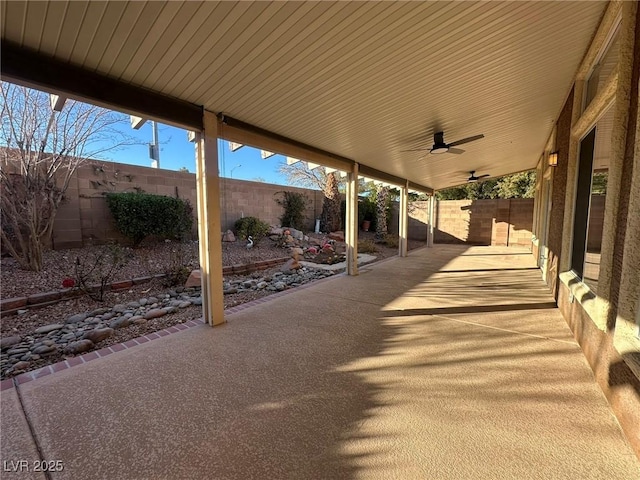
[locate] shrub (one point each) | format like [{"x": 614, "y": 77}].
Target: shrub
[
  {"x": 138, "y": 215},
  {"x": 93, "y": 272},
  {"x": 391, "y": 241},
  {"x": 367, "y": 246},
  {"x": 294, "y": 205},
  {"x": 251, "y": 226}
]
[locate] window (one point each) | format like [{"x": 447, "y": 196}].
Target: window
[
  {"x": 602, "y": 69},
  {"x": 593, "y": 171}
]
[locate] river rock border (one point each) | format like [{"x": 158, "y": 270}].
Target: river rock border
[
  {"x": 11, "y": 306},
  {"x": 103, "y": 352}
]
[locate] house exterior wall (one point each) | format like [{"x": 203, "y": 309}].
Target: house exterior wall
[{"x": 604, "y": 322}]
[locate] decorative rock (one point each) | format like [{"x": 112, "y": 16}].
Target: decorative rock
[
  {"x": 22, "y": 312},
  {"x": 121, "y": 322},
  {"x": 67, "y": 337},
  {"x": 262, "y": 285},
  {"x": 194, "y": 280},
  {"x": 230, "y": 291},
  {"x": 138, "y": 320},
  {"x": 291, "y": 264},
  {"x": 184, "y": 304},
  {"x": 296, "y": 251},
  {"x": 17, "y": 351},
  {"x": 99, "y": 311},
  {"x": 77, "y": 318},
  {"x": 339, "y": 236},
  {"x": 49, "y": 328},
  {"x": 143, "y": 301},
  {"x": 45, "y": 350},
  {"x": 279, "y": 286},
  {"x": 80, "y": 346},
  {"x": 9, "y": 341},
  {"x": 97, "y": 335},
  {"x": 22, "y": 365},
  {"x": 228, "y": 236},
  {"x": 152, "y": 300},
  {"x": 196, "y": 301},
  {"x": 155, "y": 313},
  {"x": 120, "y": 308}
]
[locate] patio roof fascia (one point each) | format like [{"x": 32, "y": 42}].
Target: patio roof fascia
[{"x": 30, "y": 69}]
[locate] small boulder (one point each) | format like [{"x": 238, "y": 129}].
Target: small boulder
[
  {"x": 45, "y": 350},
  {"x": 296, "y": 251},
  {"x": 279, "y": 286},
  {"x": 22, "y": 365},
  {"x": 77, "y": 318},
  {"x": 7, "y": 342},
  {"x": 98, "y": 334},
  {"x": 193, "y": 280},
  {"x": 121, "y": 322},
  {"x": 228, "y": 236},
  {"x": 155, "y": 313},
  {"x": 49, "y": 328},
  {"x": 80, "y": 346}
]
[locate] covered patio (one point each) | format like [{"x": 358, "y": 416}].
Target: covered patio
[
  {"x": 433, "y": 377},
  {"x": 451, "y": 362}
]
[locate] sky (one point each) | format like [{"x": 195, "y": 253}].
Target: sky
[{"x": 176, "y": 152}]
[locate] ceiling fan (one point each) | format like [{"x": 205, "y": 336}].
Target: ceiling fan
[
  {"x": 473, "y": 178},
  {"x": 440, "y": 147}
]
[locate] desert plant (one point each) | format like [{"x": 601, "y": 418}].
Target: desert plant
[
  {"x": 367, "y": 246},
  {"x": 138, "y": 215},
  {"x": 176, "y": 269},
  {"x": 95, "y": 271},
  {"x": 251, "y": 226},
  {"x": 294, "y": 205}
]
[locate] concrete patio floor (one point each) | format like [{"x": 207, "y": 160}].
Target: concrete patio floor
[{"x": 452, "y": 363}]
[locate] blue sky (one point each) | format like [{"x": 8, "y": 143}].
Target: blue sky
[{"x": 176, "y": 152}]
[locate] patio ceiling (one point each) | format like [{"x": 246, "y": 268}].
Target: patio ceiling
[{"x": 363, "y": 80}]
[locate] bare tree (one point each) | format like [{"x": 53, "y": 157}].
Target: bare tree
[
  {"x": 299, "y": 174},
  {"x": 42, "y": 150}
]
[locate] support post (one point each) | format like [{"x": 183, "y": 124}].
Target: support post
[
  {"x": 430, "y": 228},
  {"x": 208, "y": 194},
  {"x": 351, "y": 221},
  {"x": 403, "y": 221}
]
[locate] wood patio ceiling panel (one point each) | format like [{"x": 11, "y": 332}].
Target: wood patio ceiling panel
[{"x": 365, "y": 80}]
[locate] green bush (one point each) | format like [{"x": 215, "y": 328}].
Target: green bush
[
  {"x": 251, "y": 226},
  {"x": 138, "y": 215},
  {"x": 294, "y": 205}
]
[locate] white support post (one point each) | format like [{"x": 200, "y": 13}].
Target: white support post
[
  {"x": 208, "y": 194},
  {"x": 430, "y": 230},
  {"x": 403, "y": 223},
  {"x": 351, "y": 222}
]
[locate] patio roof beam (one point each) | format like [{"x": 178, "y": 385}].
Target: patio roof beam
[
  {"x": 235, "y": 130},
  {"x": 25, "y": 67}
]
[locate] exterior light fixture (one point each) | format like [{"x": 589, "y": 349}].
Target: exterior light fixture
[{"x": 553, "y": 159}]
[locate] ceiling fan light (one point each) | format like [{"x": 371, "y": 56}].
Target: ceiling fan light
[
  {"x": 472, "y": 180},
  {"x": 439, "y": 149}
]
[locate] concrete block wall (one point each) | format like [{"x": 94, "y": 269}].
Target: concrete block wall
[
  {"x": 484, "y": 222},
  {"x": 84, "y": 217}
]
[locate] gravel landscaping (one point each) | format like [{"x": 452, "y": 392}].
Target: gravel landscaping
[{"x": 42, "y": 336}]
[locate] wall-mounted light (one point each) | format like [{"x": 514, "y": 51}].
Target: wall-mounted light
[{"x": 553, "y": 159}]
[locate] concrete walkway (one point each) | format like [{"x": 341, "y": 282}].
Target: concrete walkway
[{"x": 450, "y": 364}]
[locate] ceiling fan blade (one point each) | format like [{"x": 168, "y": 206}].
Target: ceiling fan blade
[
  {"x": 417, "y": 150},
  {"x": 457, "y": 151},
  {"x": 466, "y": 140},
  {"x": 485, "y": 175}
]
